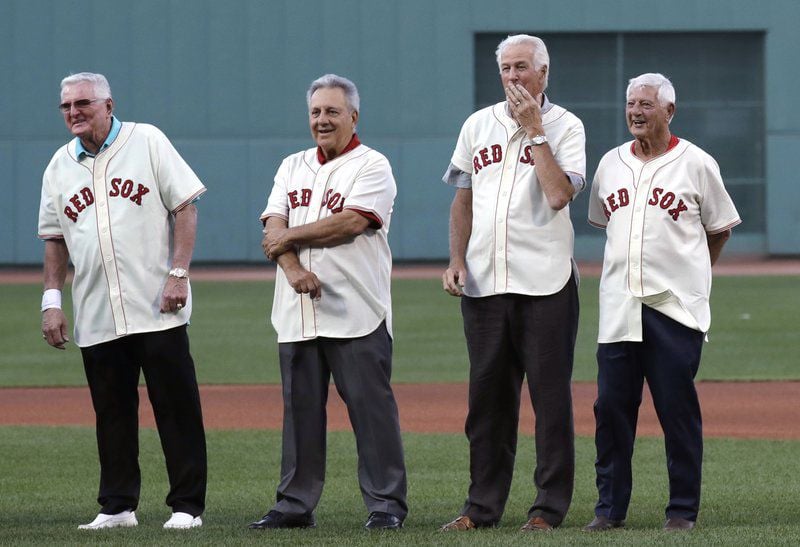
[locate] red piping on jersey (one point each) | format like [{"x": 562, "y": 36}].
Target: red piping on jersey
[
  {"x": 352, "y": 144},
  {"x": 673, "y": 142},
  {"x": 374, "y": 220}
]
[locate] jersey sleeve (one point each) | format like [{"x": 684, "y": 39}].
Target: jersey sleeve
[
  {"x": 278, "y": 200},
  {"x": 373, "y": 190},
  {"x": 717, "y": 211},
  {"x": 570, "y": 153},
  {"x": 462, "y": 155},
  {"x": 597, "y": 211},
  {"x": 177, "y": 183},
  {"x": 49, "y": 225}
]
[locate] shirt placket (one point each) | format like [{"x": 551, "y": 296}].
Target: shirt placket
[
  {"x": 105, "y": 239},
  {"x": 500, "y": 255},
  {"x": 307, "y": 307},
  {"x": 635, "y": 245}
]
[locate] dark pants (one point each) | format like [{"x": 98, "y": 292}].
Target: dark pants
[
  {"x": 509, "y": 337},
  {"x": 668, "y": 357},
  {"x": 361, "y": 369},
  {"x": 112, "y": 369}
]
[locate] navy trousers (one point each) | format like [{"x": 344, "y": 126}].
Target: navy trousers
[
  {"x": 112, "y": 370},
  {"x": 668, "y": 358}
]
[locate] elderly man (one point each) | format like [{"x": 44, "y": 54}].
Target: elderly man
[
  {"x": 326, "y": 224},
  {"x": 516, "y": 167},
  {"x": 118, "y": 200},
  {"x": 667, "y": 216}
]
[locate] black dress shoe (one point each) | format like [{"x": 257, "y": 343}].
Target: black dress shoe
[
  {"x": 276, "y": 519},
  {"x": 678, "y": 524},
  {"x": 603, "y": 524},
  {"x": 383, "y": 521}
]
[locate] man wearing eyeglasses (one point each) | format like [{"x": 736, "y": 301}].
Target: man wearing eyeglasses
[{"x": 118, "y": 200}]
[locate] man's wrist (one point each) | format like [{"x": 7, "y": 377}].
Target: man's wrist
[
  {"x": 180, "y": 273},
  {"x": 51, "y": 299}
]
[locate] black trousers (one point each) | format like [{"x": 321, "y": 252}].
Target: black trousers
[
  {"x": 511, "y": 336},
  {"x": 112, "y": 370},
  {"x": 668, "y": 358},
  {"x": 361, "y": 369}
]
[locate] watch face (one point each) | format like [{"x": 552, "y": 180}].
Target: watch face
[{"x": 539, "y": 139}]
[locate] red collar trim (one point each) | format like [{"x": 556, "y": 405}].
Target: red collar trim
[
  {"x": 354, "y": 142},
  {"x": 673, "y": 142}
]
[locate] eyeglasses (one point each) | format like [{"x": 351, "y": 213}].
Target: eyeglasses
[{"x": 80, "y": 104}]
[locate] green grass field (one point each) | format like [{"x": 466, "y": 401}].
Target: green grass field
[
  {"x": 48, "y": 476},
  {"x": 754, "y": 334},
  {"x": 48, "y": 483}
]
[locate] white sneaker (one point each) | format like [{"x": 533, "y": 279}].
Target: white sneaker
[
  {"x": 124, "y": 519},
  {"x": 181, "y": 521}
]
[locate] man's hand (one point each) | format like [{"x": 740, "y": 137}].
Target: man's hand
[
  {"x": 54, "y": 328},
  {"x": 453, "y": 280},
  {"x": 525, "y": 109},
  {"x": 303, "y": 281},
  {"x": 174, "y": 295},
  {"x": 275, "y": 242}
]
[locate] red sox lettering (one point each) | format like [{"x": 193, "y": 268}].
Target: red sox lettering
[
  {"x": 659, "y": 198},
  {"x": 494, "y": 154},
  {"x": 119, "y": 188},
  {"x": 333, "y": 201}
]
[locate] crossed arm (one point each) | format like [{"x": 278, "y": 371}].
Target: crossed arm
[{"x": 280, "y": 243}]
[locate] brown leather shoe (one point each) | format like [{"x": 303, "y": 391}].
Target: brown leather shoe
[
  {"x": 678, "y": 524},
  {"x": 537, "y": 524},
  {"x": 461, "y": 524},
  {"x": 603, "y": 524}
]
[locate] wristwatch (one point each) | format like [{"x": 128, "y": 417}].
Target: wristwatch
[
  {"x": 538, "y": 140},
  {"x": 180, "y": 273}
]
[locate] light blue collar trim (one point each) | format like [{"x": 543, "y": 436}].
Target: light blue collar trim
[{"x": 80, "y": 151}]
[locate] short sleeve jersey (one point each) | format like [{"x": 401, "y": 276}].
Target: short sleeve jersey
[
  {"x": 355, "y": 276},
  {"x": 518, "y": 243},
  {"x": 656, "y": 215},
  {"x": 114, "y": 211}
]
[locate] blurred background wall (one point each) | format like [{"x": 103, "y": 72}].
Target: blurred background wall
[{"x": 226, "y": 81}]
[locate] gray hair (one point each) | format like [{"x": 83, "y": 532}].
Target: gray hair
[
  {"x": 334, "y": 81},
  {"x": 101, "y": 88},
  {"x": 540, "y": 56},
  {"x": 665, "y": 91}
]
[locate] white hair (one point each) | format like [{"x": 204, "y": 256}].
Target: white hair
[
  {"x": 538, "y": 49},
  {"x": 334, "y": 81},
  {"x": 101, "y": 88},
  {"x": 665, "y": 91}
]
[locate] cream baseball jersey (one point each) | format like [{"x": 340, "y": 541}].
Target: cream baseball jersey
[
  {"x": 656, "y": 215},
  {"x": 518, "y": 243},
  {"x": 355, "y": 276},
  {"x": 114, "y": 213}
]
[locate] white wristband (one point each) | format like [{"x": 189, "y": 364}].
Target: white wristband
[{"x": 51, "y": 299}]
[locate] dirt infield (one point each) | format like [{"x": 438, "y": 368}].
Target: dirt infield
[
  {"x": 766, "y": 410},
  {"x": 769, "y": 410}
]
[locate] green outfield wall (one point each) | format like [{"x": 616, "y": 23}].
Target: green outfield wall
[{"x": 226, "y": 82}]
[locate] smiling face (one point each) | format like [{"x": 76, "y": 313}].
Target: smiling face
[
  {"x": 516, "y": 67},
  {"x": 331, "y": 120},
  {"x": 89, "y": 122},
  {"x": 647, "y": 118}
]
